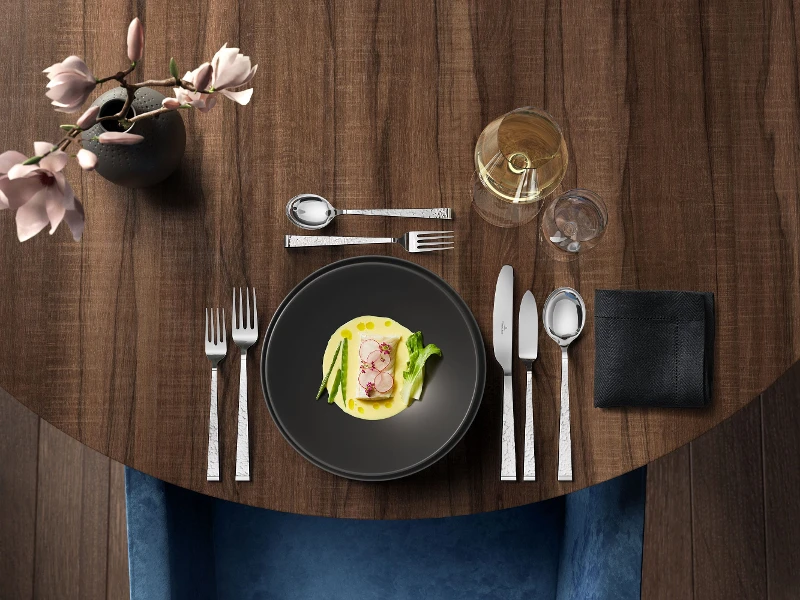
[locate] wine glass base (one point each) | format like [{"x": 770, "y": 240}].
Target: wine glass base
[{"x": 501, "y": 213}]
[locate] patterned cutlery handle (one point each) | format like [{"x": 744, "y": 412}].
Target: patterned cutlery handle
[
  {"x": 243, "y": 437},
  {"x": 307, "y": 241},
  {"x": 564, "y": 436},
  {"x": 508, "y": 454},
  {"x": 417, "y": 213},
  {"x": 529, "y": 465},
  {"x": 212, "y": 473}
]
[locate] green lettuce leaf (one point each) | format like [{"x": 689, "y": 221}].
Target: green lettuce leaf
[{"x": 418, "y": 354}]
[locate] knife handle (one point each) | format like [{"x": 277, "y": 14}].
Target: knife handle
[
  {"x": 529, "y": 463},
  {"x": 508, "y": 454},
  {"x": 564, "y": 436}
]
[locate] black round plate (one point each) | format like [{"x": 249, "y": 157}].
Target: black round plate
[{"x": 291, "y": 368}]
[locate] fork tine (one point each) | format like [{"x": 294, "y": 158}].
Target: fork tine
[
  {"x": 219, "y": 333},
  {"x": 247, "y": 295},
  {"x": 233, "y": 311},
  {"x": 224, "y": 330},
  {"x": 240, "y": 318},
  {"x": 435, "y": 240},
  {"x": 435, "y": 249},
  {"x": 255, "y": 312},
  {"x": 429, "y": 233},
  {"x": 205, "y": 329}
]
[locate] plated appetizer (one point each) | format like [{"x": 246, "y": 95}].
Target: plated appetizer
[{"x": 373, "y": 367}]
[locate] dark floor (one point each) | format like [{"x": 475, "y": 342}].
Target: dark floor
[{"x": 721, "y": 518}]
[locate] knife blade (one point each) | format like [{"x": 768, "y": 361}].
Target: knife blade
[
  {"x": 503, "y": 332},
  {"x": 528, "y": 328},
  {"x": 528, "y": 351}
]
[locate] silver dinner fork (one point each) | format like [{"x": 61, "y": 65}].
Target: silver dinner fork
[
  {"x": 216, "y": 348},
  {"x": 413, "y": 241},
  {"x": 244, "y": 331}
]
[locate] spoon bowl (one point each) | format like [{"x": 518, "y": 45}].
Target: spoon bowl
[
  {"x": 310, "y": 211},
  {"x": 563, "y": 317}
]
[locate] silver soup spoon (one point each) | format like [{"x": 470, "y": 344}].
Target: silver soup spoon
[
  {"x": 563, "y": 316},
  {"x": 309, "y": 211}
]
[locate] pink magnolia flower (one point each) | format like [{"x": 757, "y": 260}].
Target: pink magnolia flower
[
  {"x": 87, "y": 159},
  {"x": 71, "y": 82},
  {"x": 39, "y": 193},
  {"x": 231, "y": 70},
  {"x": 135, "y": 40},
  {"x": 120, "y": 138},
  {"x": 170, "y": 103},
  {"x": 89, "y": 118}
]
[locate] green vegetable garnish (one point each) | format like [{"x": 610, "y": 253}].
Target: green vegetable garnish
[
  {"x": 330, "y": 370},
  {"x": 418, "y": 354},
  {"x": 344, "y": 368},
  {"x": 336, "y": 381}
]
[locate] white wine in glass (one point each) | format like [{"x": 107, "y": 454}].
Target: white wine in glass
[{"x": 520, "y": 159}]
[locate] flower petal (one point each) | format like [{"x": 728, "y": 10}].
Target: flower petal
[
  {"x": 88, "y": 118},
  {"x": 19, "y": 171},
  {"x": 75, "y": 220},
  {"x": 55, "y": 161},
  {"x": 202, "y": 77},
  {"x": 77, "y": 64},
  {"x": 42, "y": 148},
  {"x": 10, "y": 158},
  {"x": 32, "y": 217},
  {"x": 66, "y": 191},
  {"x": 170, "y": 103},
  {"x": 87, "y": 159},
  {"x": 242, "y": 97},
  {"x": 135, "y": 40},
  {"x": 19, "y": 191},
  {"x": 54, "y": 205},
  {"x": 119, "y": 138}
]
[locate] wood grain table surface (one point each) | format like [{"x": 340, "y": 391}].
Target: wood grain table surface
[{"x": 683, "y": 116}]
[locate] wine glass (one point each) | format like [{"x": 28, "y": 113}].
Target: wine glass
[
  {"x": 520, "y": 158},
  {"x": 574, "y": 223}
]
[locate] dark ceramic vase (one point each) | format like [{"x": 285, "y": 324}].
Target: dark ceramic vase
[{"x": 150, "y": 161}]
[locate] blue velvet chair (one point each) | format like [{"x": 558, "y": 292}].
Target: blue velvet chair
[{"x": 586, "y": 545}]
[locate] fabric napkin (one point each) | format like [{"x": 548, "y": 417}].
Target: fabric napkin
[{"x": 653, "y": 348}]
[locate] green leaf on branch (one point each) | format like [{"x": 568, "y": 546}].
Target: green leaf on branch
[
  {"x": 33, "y": 160},
  {"x": 69, "y": 127},
  {"x": 173, "y": 68}
]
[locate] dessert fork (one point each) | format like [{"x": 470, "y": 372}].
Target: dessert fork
[
  {"x": 413, "y": 241},
  {"x": 244, "y": 331},
  {"x": 216, "y": 348}
]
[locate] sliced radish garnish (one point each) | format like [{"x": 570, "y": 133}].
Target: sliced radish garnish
[
  {"x": 367, "y": 348},
  {"x": 367, "y": 377},
  {"x": 384, "y": 382},
  {"x": 378, "y": 360}
]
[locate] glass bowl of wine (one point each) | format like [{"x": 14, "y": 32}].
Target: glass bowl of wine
[{"x": 520, "y": 159}]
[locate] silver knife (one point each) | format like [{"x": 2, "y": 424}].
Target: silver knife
[
  {"x": 503, "y": 332},
  {"x": 528, "y": 351}
]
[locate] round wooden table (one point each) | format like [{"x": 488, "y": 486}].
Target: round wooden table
[{"x": 684, "y": 120}]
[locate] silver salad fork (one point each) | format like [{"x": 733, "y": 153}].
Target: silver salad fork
[
  {"x": 413, "y": 241},
  {"x": 216, "y": 348},
  {"x": 244, "y": 331}
]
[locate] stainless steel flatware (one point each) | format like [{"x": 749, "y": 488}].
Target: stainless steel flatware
[
  {"x": 503, "y": 332},
  {"x": 413, "y": 241},
  {"x": 244, "y": 331},
  {"x": 563, "y": 316},
  {"x": 309, "y": 211},
  {"x": 528, "y": 351},
  {"x": 216, "y": 348}
]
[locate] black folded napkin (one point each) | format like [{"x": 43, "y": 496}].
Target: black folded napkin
[{"x": 653, "y": 349}]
